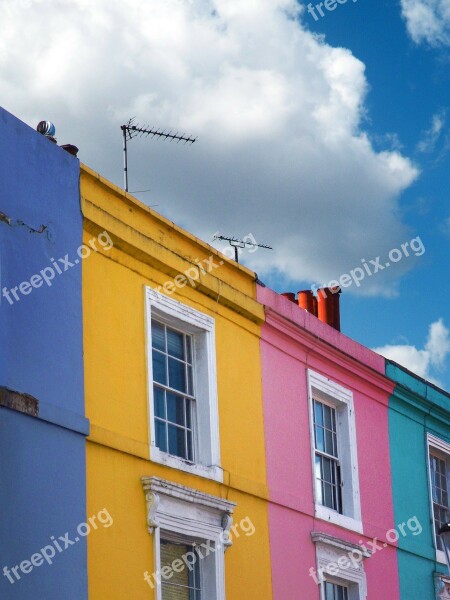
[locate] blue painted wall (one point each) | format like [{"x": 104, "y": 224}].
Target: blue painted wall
[
  {"x": 42, "y": 459},
  {"x": 415, "y": 409}
]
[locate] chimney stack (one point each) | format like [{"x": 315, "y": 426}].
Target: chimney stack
[
  {"x": 328, "y": 309},
  {"x": 326, "y": 306}
]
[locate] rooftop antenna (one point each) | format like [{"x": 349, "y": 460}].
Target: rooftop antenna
[
  {"x": 236, "y": 244},
  {"x": 131, "y": 130}
]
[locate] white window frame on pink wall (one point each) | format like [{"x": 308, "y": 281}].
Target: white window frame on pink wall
[{"x": 342, "y": 399}]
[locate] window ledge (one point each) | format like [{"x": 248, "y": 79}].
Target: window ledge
[
  {"x": 214, "y": 472},
  {"x": 327, "y": 514}
]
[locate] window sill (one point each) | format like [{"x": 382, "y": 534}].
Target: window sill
[
  {"x": 331, "y": 516},
  {"x": 214, "y": 472}
]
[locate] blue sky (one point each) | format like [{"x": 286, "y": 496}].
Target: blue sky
[
  {"x": 409, "y": 87},
  {"x": 328, "y": 139}
]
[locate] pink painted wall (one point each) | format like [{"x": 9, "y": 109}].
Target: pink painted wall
[{"x": 285, "y": 360}]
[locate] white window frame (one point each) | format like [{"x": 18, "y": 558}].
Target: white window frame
[
  {"x": 442, "y": 448},
  {"x": 329, "y": 550},
  {"x": 341, "y": 399},
  {"x": 442, "y": 586},
  {"x": 177, "y": 512},
  {"x": 206, "y": 422}
]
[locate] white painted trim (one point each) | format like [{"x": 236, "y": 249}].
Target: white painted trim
[
  {"x": 332, "y": 516},
  {"x": 191, "y": 515},
  {"x": 341, "y": 398},
  {"x": 328, "y": 551},
  {"x": 443, "y": 447},
  {"x": 331, "y": 540},
  {"x": 202, "y": 328},
  {"x": 438, "y": 443}
]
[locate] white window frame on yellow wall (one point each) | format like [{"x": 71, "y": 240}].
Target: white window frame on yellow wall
[
  {"x": 181, "y": 514},
  {"x": 201, "y": 328}
]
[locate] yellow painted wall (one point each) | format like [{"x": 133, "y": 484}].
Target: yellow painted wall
[{"x": 149, "y": 250}]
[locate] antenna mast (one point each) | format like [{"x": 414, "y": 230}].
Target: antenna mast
[
  {"x": 131, "y": 130},
  {"x": 236, "y": 244}
]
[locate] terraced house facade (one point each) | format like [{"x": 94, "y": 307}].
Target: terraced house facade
[
  {"x": 172, "y": 429},
  {"x": 174, "y": 399}
]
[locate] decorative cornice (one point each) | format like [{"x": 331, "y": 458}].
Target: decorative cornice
[
  {"x": 152, "y": 500},
  {"x": 329, "y": 540},
  {"x": 420, "y": 403},
  {"x": 227, "y": 521},
  {"x": 163, "y": 487}
]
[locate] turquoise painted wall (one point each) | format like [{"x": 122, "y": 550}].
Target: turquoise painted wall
[{"x": 415, "y": 409}]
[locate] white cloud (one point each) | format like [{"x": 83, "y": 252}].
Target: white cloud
[
  {"x": 432, "y": 135},
  {"x": 422, "y": 362},
  {"x": 428, "y": 21},
  {"x": 279, "y": 114}
]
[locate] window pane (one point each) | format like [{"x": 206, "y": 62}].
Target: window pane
[
  {"x": 169, "y": 554},
  {"x": 318, "y": 470},
  {"x": 329, "y": 443},
  {"x": 159, "y": 367},
  {"x": 190, "y": 447},
  {"x": 333, "y": 591},
  {"x": 329, "y": 591},
  {"x": 177, "y": 375},
  {"x": 190, "y": 382},
  {"x": 186, "y": 584},
  {"x": 177, "y": 441},
  {"x": 158, "y": 399},
  {"x": 175, "y": 409},
  {"x": 328, "y": 495},
  {"x": 175, "y": 343},
  {"x": 188, "y": 414},
  {"x": 161, "y": 436},
  {"x": 326, "y": 469},
  {"x": 327, "y": 417},
  {"x": 320, "y": 442},
  {"x": 158, "y": 338},
  {"x": 189, "y": 349},
  {"x": 318, "y": 418}
]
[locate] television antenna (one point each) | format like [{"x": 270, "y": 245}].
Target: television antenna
[
  {"x": 236, "y": 244},
  {"x": 131, "y": 130}
]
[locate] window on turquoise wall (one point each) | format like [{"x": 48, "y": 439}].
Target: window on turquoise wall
[
  {"x": 182, "y": 387},
  {"x": 439, "y": 491},
  {"x": 439, "y": 468}
]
